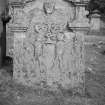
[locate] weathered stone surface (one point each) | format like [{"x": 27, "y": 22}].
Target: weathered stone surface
[{"x": 47, "y": 51}]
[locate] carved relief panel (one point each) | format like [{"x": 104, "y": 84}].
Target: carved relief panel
[{"x": 48, "y": 51}]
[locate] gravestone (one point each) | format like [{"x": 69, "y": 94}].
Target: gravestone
[
  {"x": 48, "y": 41},
  {"x": 95, "y": 18}
]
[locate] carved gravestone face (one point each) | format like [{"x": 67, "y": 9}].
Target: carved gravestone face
[
  {"x": 46, "y": 51},
  {"x": 49, "y": 6}
]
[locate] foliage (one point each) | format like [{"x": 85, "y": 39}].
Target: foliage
[{"x": 97, "y": 4}]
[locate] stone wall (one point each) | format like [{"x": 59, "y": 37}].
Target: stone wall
[{"x": 48, "y": 45}]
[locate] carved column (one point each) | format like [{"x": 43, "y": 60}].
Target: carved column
[
  {"x": 16, "y": 33},
  {"x": 18, "y": 42},
  {"x": 80, "y": 27}
]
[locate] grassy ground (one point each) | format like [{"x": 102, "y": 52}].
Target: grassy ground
[
  {"x": 95, "y": 70},
  {"x": 15, "y": 94}
]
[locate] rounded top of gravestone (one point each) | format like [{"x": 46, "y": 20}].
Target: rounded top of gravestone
[
  {"x": 96, "y": 11},
  {"x": 95, "y": 14},
  {"x": 78, "y": 2}
]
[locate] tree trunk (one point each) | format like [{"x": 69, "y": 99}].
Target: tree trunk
[{"x": 2, "y": 8}]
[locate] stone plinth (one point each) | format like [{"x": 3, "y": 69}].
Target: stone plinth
[{"x": 45, "y": 50}]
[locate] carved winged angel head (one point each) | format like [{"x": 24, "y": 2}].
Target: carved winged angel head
[{"x": 49, "y": 6}]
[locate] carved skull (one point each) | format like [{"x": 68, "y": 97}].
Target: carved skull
[{"x": 49, "y": 6}]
